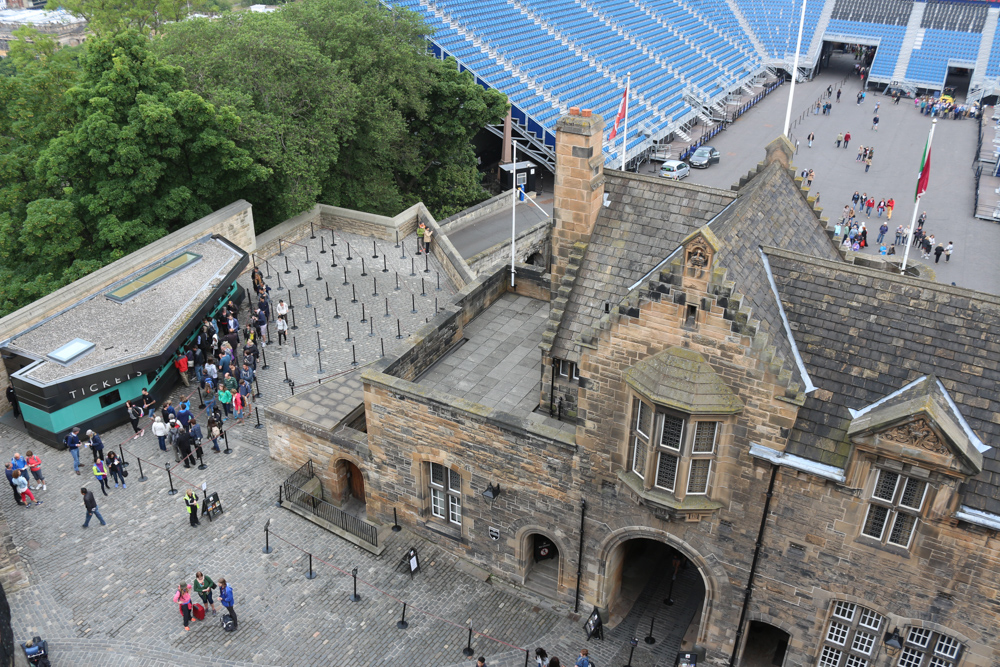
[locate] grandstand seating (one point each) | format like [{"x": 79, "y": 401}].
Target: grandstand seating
[
  {"x": 890, "y": 42},
  {"x": 929, "y": 64},
  {"x": 886, "y": 12},
  {"x": 955, "y": 16},
  {"x": 776, "y": 24}
]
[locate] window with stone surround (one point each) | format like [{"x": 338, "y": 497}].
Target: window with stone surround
[
  {"x": 852, "y": 636},
  {"x": 894, "y": 508},
  {"x": 682, "y": 452},
  {"x": 445, "y": 493},
  {"x": 925, "y": 648}
]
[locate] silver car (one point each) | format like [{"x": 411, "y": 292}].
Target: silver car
[{"x": 674, "y": 169}]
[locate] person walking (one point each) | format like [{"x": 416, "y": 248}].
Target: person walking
[
  {"x": 847, "y": 139},
  {"x": 881, "y": 207},
  {"x": 809, "y": 178},
  {"x": 938, "y": 251},
  {"x": 35, "y": 466},
  {"x": 855, "y": 198},
  {"x": 160, "y": 430},
  {"x": 947, "y": 258},
  {"x": 889, "y": 205},
  {"x": 73, "y": 445},
  {"x": 868, "y": 164},
  {"x": 181, "y": 364},
  {"x": 840, "y": 138},
  {"x": 204, "y": 586},
  {"x": 114, "y": 465},
  {"x": 226, "y": 399},
  {"x": 209, "y": 400},
  {"x": 882, "y": 231},
  {"x": 184, "y": 414},
  {"x": 101, "y": 473},
  {"x": 282, "y": 326},
  {"x": 421, "y": 228},
  {"x": 183, "y": 442},
  {"x": 861, "y": 152},
  {"x": 96, "y": 445},
  {"x": 227, "y": 600},
  {"x": 9, "y": 470},
  {"x": 428, "y": 233},
  {"x": 869, "y": 205},
  {"x": 584, "y": 659},
  {"x": 134, "y": 413},
  {"x": 191, "y": 503},
  {"x": 875, "y": 122},
  {"x": 21, "y": 483},
  {"x": 182, "y": 596},
  {"x": 90, "y": 503},
  {"x": 899, "y": 235},
  {"x": 14, "y": 404},
  {"x": 838, "y": 96},
  {"x": 809, "y": 139},
  {"x": 214, "y": 432}
]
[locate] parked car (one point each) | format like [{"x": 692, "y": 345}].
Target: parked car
[
  {"x": 704, "y": 156},
  {"x": 674, "y": 169}
]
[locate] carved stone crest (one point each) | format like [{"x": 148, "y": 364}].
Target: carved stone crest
[
  {"x": 697, "y": 256},
  {"x": 916, "y": 434}
]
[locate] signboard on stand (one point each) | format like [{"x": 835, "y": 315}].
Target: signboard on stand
[
  {"x": 211, "y": 506},
  {"x": 594, "y": 627}
]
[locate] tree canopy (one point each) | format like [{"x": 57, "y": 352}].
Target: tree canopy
[{"x": 157, "y": 121}]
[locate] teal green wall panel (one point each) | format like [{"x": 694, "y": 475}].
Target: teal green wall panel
[{"x": 86, "y": 409}]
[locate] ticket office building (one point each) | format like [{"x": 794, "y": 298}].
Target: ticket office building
[{"x": 80, "y": 365}]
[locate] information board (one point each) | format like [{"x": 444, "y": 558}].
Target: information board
[
  {"x": 211, "y": 506},
  {"x": 594, "y": 627}
]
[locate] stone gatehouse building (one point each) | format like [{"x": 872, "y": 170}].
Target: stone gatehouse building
[{"x": 701, "y": 382}]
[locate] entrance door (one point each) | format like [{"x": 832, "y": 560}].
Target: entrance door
[
  {"x": 765, "y": 647},
  {"x": 542, "y": 575},
  {"x": 357, "y": 482}
]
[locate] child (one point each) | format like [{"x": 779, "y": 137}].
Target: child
[
  {"x": 35, "y": 466},
  {"x": 182, "y": 597}
]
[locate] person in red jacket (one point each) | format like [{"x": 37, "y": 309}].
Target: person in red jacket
[
  {"x": 181, "y": 364},
  {"x": 847, "y": 137},
  {"x": 869, "y": 205}
]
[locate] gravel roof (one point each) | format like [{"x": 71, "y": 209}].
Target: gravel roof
[{"x": 137, "y": 328}]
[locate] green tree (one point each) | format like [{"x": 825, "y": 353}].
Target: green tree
[
  {"x": 295, "y": 105},
  {"x": 110, "y": 16}
]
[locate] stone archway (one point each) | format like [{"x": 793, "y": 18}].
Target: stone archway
[
  {"x": 542, "y": 560},
  {"x": 766, "y": 645},
  {"x": 347, "y": 487}
]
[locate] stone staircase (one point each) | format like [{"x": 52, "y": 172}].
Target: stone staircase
[
  {"x": 910, "y": 41},
  {"x": 814, "y": 49}
]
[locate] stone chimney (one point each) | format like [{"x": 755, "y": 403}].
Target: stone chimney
[{"x": 579, "y": 185}]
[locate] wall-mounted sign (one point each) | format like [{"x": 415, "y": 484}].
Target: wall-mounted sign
[
  {"x": 101, "y": 385},
  {"x": 494, "y": 533}
]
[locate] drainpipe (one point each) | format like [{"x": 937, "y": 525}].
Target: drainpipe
[
  {"x": 753, "y": 567},
  {"x": 552, "y": 387},
  {"x": 579, "y": 556}
]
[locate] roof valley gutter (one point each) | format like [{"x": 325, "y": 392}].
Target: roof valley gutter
[
  {"x": 810, "y": 387},
  {"x": 678, "y": 249}
]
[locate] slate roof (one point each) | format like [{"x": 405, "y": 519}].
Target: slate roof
[
  {"x": 865, "y": 333},
  {"x": 681, "y": 378},
  {"x": 646, "y": 220}
]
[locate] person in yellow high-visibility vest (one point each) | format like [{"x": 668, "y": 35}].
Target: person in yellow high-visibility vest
[{"x": 191, "y": 502}]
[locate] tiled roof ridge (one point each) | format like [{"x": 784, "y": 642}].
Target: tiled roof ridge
[
  {"x": 560, "y": 300},
  {"x": 893, "y": 276},
  {"x": 667, "y": 183},
  {"x": 722, "y": 294}
]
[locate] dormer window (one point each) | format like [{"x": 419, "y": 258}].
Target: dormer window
[{"x": 894, "y": 508}]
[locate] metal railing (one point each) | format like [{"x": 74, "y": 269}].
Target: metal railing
[{"x": 319, "y": 507}]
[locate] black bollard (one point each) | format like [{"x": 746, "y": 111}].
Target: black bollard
[
  {"x": 290, "y": 306},
  {"x": 225, "y": 434},
  {"x": 346, "y": 281},
  {"x": 634, "y": 642},
  {"x": 354, "y": 294},
  {"x": 319, "y": 355},
  {"x": 427, "y": 268},
  {"x": 423, "y": 290},
  {"x": 413, "y": 302},
  {"x": 467, "y": 651},
  {"x": 322, "y": 245},
  {"x": 328, "y": 297},
  {"x": 291, "y": 385},
  {"x": 387, "y": 307},
  {"x": 318, "y": 277},
  {"x": 294, "y": 326},
  {"x": 401, "y": 623},
  {"x": 348, "y": 339},
  {"x": 333, "y": 255},
  {"x": 287, "y": 268},
  {"x": 142, "y": 476},
  {"x": 311, "y": 575},
  {"x": 374, "y": 250},
  {"x": 438, "y": 289},
  {"x": 295, "y": 347},
  {"x": 280, "y": 287},
  {"x": 363, "y": 317},
  {"x": 333, "y": 238},
  {"x": 286, "y": 380},
  {"x": 257, "y": 414},
  {"x": 397, "y": 238},
  {"x": 363, "y": 272},
  {"x": 256, "y": 383},
  {"x": 395, "y": 522},
  {"x": 316, "y": 317},
  {"x": 267, "y": 267},
  {"x": 355, "y": 597},
  {"x": 397, "y": 282},
  {"x": 413, "y": 270},
  {"x": 201, "y": 463},
  {"x": 299, "y": 272},
  {"x": 650, "y": 639},
  {"x": 170, "y": 478},
  {"x": 403, "y": 244},
  {"x": 277, "y": 504},
  {"x": 381, "y": 345},
  {"x": 201, "y": 401},
  {"x": 308, "y": 302},
  {"x": 307, "y": 255},
  {"x": 336, "y": 310},
  {"x": 312, "y": 232},
  {"x": 267, "y": 524},
  {"x": 435, "y": 304},
  {"x": 399, "y": 332},
  {"x": 349, "y": 258},
  {"x": 385, "y": 263},
  {"x": 371, "y": 327},
  {"x": 121, "y": 451},
  {"x": 375, "y": 286},
  {"x": 319, "y": 345},
  {"x": 354, "y": 357}
]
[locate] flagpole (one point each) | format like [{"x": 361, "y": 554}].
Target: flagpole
[
  {"x": 795, "y": 70},
  {"x": 628, "y": 80},
  {"x": 916, "y": 205},
  {"x": 513, "y": 214}
]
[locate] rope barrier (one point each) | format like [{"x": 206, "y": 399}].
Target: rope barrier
[{"x": 400, "y": 601}]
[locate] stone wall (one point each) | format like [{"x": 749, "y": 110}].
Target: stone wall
[
  {"x": 481, "y": 210},
  {"x": 234, "y": 222},
  {"x": 296, "y": 442},
  {"x": 527, "y": 243},
  {"x": 13, "y": 574}
]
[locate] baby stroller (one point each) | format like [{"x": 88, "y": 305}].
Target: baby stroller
[{"x": 37, "y": 652}]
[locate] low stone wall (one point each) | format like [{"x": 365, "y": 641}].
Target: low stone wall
[
  {"x": 481, "y": 210},
  {"x": 235, "y": 222},
  {"x": 293, "y": 442},
  {"x": 532, "y": 281},
  {"x": 13, "y": 575},
  {"x": 527, "y": 243}
]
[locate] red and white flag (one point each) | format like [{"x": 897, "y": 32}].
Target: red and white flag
[
  {"x": 925, "y": 171},
  {"x": 622, "y": 111}
]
